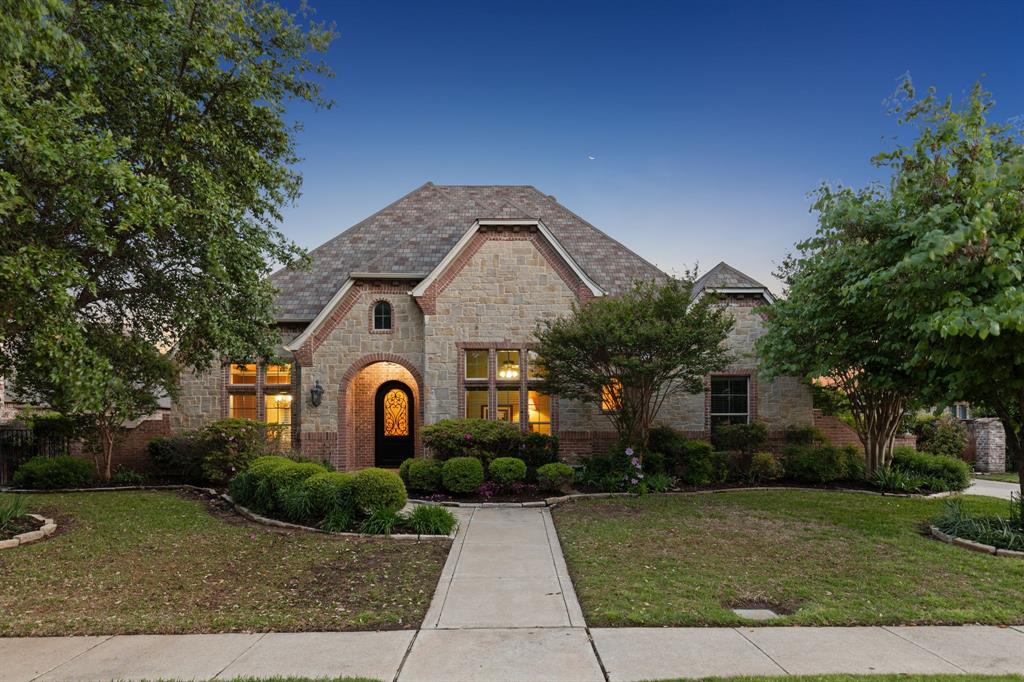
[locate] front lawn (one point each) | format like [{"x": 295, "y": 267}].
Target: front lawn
[
  {"x": 826, "y": 558},
  {"x": 156, "y": 562}
]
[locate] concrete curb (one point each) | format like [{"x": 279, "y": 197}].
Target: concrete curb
[
  {"x": 266, "y": 521},
  {"x": 972, "y": 545},
  {"x": 48, "y": 528}
]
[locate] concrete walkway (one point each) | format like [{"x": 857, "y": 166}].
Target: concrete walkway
[
  {"x": 504, "y": 610},
  {"x": 998, "y": 489}
]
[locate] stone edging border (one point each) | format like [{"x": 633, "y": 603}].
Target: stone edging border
[
  {"x": 256, "y": 518},
  {"x": 108, "y": 489},
  {"x": 555, "y": 501},
  {"x": 972, "y": 545},
  {"x": 48, "y": 528}
]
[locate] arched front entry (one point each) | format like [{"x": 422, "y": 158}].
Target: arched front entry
[{"x": 394, "y": 424}]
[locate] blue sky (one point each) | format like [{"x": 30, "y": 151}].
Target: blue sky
[{"x": 709, "y": 122}]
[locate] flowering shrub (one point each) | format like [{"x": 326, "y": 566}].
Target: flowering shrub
[{"x": 633, "y": 479}]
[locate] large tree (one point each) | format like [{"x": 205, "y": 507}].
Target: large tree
[
  {"x": 831, "y": 325},
  {"x": 632, "y": 352},
  {"x": 955, "y": 284},
  {"x": 145, "y": 156}
]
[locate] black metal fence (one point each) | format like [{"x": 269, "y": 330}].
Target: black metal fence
[{"x": 18, "y": 444}]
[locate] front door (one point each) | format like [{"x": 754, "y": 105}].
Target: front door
[{"x": 393, "y": 424}]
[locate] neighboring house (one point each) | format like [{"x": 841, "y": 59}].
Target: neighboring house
[{"x": 426, "y": 310}]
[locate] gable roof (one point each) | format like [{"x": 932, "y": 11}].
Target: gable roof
[
  {"x": 727, "y": 279},
  {"x": 414, "y": 234}
]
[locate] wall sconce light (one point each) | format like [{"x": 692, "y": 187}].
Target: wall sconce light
[{"x": 316, "y": 394}]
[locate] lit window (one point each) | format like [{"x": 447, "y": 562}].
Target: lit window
[
  {"x": 538, "y": 407},
  {"x": 279, "y": 415},
  {"x": 729, "y": 400},
  {"x": 508, "y": 365},
  {"x": 533, "y": 369},
  {"x": 476, "y": 364},
  {"x": 382, "y": 315},
  {"x": 508, "y": 406},
  {"x": 476, "y": 403},
  {"x": 243, "y": 374},
  {"x": 242, "y": 406},
  {"x": 611, "y": 395},
  {"x": 279, "y": 374}
]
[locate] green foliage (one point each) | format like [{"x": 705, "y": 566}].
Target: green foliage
[
  {"x": 242, "y": 488},
  {"x": 998, "y": 531},
  {"x": 177, "y": 457},
  {"x": 124, "y": 476},
  {"x": 700, "y": 465},
  {"x": 271, "y": 473},
  {"x": 427, "y": 519},
  {"x": 820, "y": 464},
  {"x": 375, "y": 489},
  {"x": 462, "y": 475},
  {"x": 831, "y": 401},
  {"x": 764, "y": 468},
  {"x": 937, "y": 473},
  {"x": 50, "y": 473},
  {"x": 381, "y": 521},
  {"x": 11, "y": 508},
  {"x": 403, "y": 470},
  {"x": 295, "y": 502},
  {"x": 330, "y": 491},
  {"x": 507, "y": 470},
  {"x": 653, "y": 341},
  {"x": 228, "y": 445},
  {"x": 145, "y": 160},
  {"x": 740, "y": 437},
  {"x": 659, "y": 482},
  {"x": 338, "y": 520},
  {"x": 805, "y": 435},
  {"x": 554, "y": 476},
  {"x": 671, "y": 444},
  {"x": 424, "y": 475},
  {"x": 942, "y": 435}
]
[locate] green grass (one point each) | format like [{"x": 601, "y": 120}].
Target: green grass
[
  {"x": 826, "y": 558},
  {"x": 155, "y": 562},
  {"x": 1008, "y": 477}
]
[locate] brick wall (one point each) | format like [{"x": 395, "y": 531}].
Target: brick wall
[
  {"x": 838, "y": 433},
  {"x": 130, "y": 452}
]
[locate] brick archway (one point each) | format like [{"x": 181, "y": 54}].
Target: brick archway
[{"x": 349, "y": 413}]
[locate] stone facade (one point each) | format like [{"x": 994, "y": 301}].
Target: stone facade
[
  {"x": 490, "y": 295},
  {"x": 989, "y": 444}
]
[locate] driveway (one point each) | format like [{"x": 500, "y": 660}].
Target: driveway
[{"x": 992, "y": 488}]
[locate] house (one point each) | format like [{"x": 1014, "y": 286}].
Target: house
[{"x": 426, "y": 310}]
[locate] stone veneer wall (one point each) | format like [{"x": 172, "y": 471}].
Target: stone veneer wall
[{"x": 989, "y": 443}]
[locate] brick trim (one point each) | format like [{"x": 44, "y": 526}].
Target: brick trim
[
  {"x": 345, "y": 414},
  {"x": 530, "y": 233}
]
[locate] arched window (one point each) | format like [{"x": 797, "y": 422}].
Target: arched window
[{"x": 381, "y": 316}]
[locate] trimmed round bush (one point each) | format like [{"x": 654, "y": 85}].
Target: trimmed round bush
[
  {"x": 329, "y": 492},
  {"x": 938, "y": 472},
  {"x": 49, "y": 473},
  {"x": 403, "y": 470},
  {"x": 424, "y": 475},
  {"x": 462, "y": 475},
  {"x": 554, "y": 476},
  {"x": 375, "y": 489},
  {"x": 506, "y": 471}
]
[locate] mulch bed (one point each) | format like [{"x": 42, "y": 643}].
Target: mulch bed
[{"x": 22, "y": 524}]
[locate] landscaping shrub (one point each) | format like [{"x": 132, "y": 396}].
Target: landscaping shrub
[
  {"x": 740, "y": 437},
  {"x": 507, "y": 470},
  {"x": 537, "y": 449},
  {"x": 462, "y": 475},
  {"x": 403, "y": 470},
  {"x": 699, "y": 465},
  {"x": 655, "y": 463},
  {"x": 810, "y": 464},
  {"x": 271, "y": 473},
  {"x": 176, "y": 457},
  {"x": 764, "y": 468},
  {"x": 1003, "y": 532},
  {"x": 228, "y": 445},
  {"x": 49, "y": 473},
  {"x": 659, "y": 482},
  {"x": 428, "y": 519},
  {"x": 10, "y": 509},
  {"x": 554, "y": 476},
  {"x": 381, "y": 521},
  {"x": 936, "y": 472},
  {"x": 375, "y": 489},
  {"x": 605, "y": 473},
  {"x": 484, "y": 439},
  {"x": 295, "y": 502},
  {"x": 242, "y": 488},
  {"x": 126, "y": 477},
  {"x": 805, "y": 435},
  {"x": 337, "y": 521},
  {"x": 671, "y": 444},
  {"x": 424, "y": 475},
  {"x": 942, "y": 435},
  {"x": 330, "y": 491}
]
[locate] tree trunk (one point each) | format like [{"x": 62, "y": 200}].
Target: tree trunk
[{"x": 877, "y": 415}]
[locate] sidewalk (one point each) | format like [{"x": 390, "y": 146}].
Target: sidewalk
[
  {"x": 998, "y": 489},
  {"x": 505, "y": 609}
]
